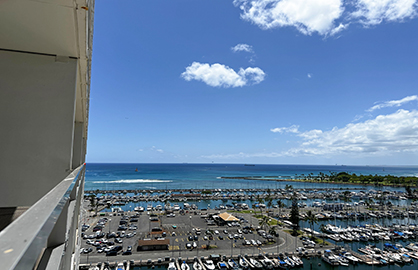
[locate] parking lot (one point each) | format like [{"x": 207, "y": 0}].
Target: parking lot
[{"x": 190, "y": 233}]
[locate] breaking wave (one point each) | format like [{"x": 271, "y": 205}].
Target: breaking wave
[{"x": 133, "y": 181}]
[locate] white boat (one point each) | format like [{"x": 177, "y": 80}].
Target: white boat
[
  {"x": 343, "y": 261},
  {"x": 209, "y": 265},
  {"x": 172, "y": 266},
  {"x": 256, "y": 263},
  {"x": 298, "y": 261},
  {"x": 267, "y": 263},
  {"x": 351, "y": 258},
  {"x": 243, "y": 263},
  {"x": 289, "y": 262},
  {"x": 232, "y": 264},
  {"x": 197, "y": 266},
  {"x": 139, "y": 209},
  {"x": 184, "y": 266},
  {"x": 329, "y": 258},
  {"x": 120, "y": 266}
]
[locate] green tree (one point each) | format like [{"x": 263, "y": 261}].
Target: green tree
[
  {"x": 294, "y": 215},
  {"x": 311, "y": 219},
  {"x": 264, "y": 221},
  {"x": 273, "y": 230},
  {"x": 280, "y": 204},
  {"x": 269, "y": 200},
  {"x": 322, "y": 229},
  {"x": 260, "y": 200}
]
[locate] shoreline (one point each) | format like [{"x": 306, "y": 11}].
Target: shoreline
[{"x": 313, "y": 181}]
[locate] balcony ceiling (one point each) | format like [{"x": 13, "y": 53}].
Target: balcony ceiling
[{"x": 43, "y": 26}]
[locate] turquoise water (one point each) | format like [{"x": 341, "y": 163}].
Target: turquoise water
[{"x": 187, "y": 176}]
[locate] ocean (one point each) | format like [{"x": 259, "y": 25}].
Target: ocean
[{"x": 109, "y": 176}]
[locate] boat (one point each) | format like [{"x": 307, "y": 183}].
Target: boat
[
  {"x": 197, "y": 266},
  {"x": 184, "y": 266},
  {"x": 343, "y": 261},
  {"x": 282, "y": 264},
  {"x": 222, "y": 266},
  {"x": 329, "y": 258},
  {"x": 275, "y": 262},
  {"x": 139, "y": 209},
  {"x": 172, "y": 266},
  {"x": 120, "y": 266},
  {"x": 406, "y": 259},
  {"x": 209, "y": 265},
  {"x": 243, "y": 263},
  {"x": 233, "y": 265},
  {"x": 350, "y": 257},
  {"x": 289, "y": 262},
  {"x": 267, "y": 263},
  {"x": 256, "y": 263},
  {"x": 297, "y": 260}
]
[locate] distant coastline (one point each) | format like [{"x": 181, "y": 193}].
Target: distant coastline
[{"x": 343, "y": 178}]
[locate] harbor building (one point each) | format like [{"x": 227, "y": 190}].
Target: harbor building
[{"x": 45, "y": 63}]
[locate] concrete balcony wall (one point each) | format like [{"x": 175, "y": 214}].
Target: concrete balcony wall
[{"x": 37, "y": 120}]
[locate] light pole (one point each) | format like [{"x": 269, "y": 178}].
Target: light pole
[
  {"x": 191, "y": 223},
  {"x": 232, "y": 241},
  {"x": 110, "y": 222}
]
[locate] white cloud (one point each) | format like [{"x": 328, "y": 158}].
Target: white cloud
[
  {"x": 219, "y": 75},
  {"x": 308, "y": 16},
  {"x": 291, "y": 129},
  {"x": 157, "y": 150},
  {"x": 309, "y": 75},
  {"x": 322, "y": 16},
  {"x": 372, "y": 12},
  {"x": 393, "y": 103},
  {"x": 338, "y": 29},
  {"x": 384, "y": 135},
  {"x": 242, "y": 48}
]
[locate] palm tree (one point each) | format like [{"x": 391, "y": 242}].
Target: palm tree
[
  {"x": 273, "y": 230},
  {"x": 280, "y": 204},
  {"x": 269, "y": 200},
  {"x": 260, "y": 201},
  {"x": 322, "y": 229},
  {"x": 311, "y": 219},
  {"x": 264, "y": 221}
]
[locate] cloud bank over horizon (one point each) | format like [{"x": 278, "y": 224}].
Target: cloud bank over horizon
[
  {"x": 324, "y": 17},
  {"x": 383, "y": 135}
]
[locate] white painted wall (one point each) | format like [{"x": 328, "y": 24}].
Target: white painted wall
[{"x": 37, "y": 104}]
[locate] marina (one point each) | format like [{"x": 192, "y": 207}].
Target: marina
[{"x": 246, "y": 224}]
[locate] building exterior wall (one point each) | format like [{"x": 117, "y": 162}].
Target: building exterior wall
[{"x": 37, "y": 108}]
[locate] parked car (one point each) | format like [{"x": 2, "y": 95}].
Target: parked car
[{"x": 128, "y": 251}]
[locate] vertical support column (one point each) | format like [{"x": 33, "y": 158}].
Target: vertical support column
[{"x": 78, "y": 141}]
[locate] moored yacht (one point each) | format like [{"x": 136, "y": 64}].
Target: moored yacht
[{"x": 209, "y": 265}]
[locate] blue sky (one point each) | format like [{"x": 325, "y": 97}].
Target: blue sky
[{"x": 262, "y": 81}]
